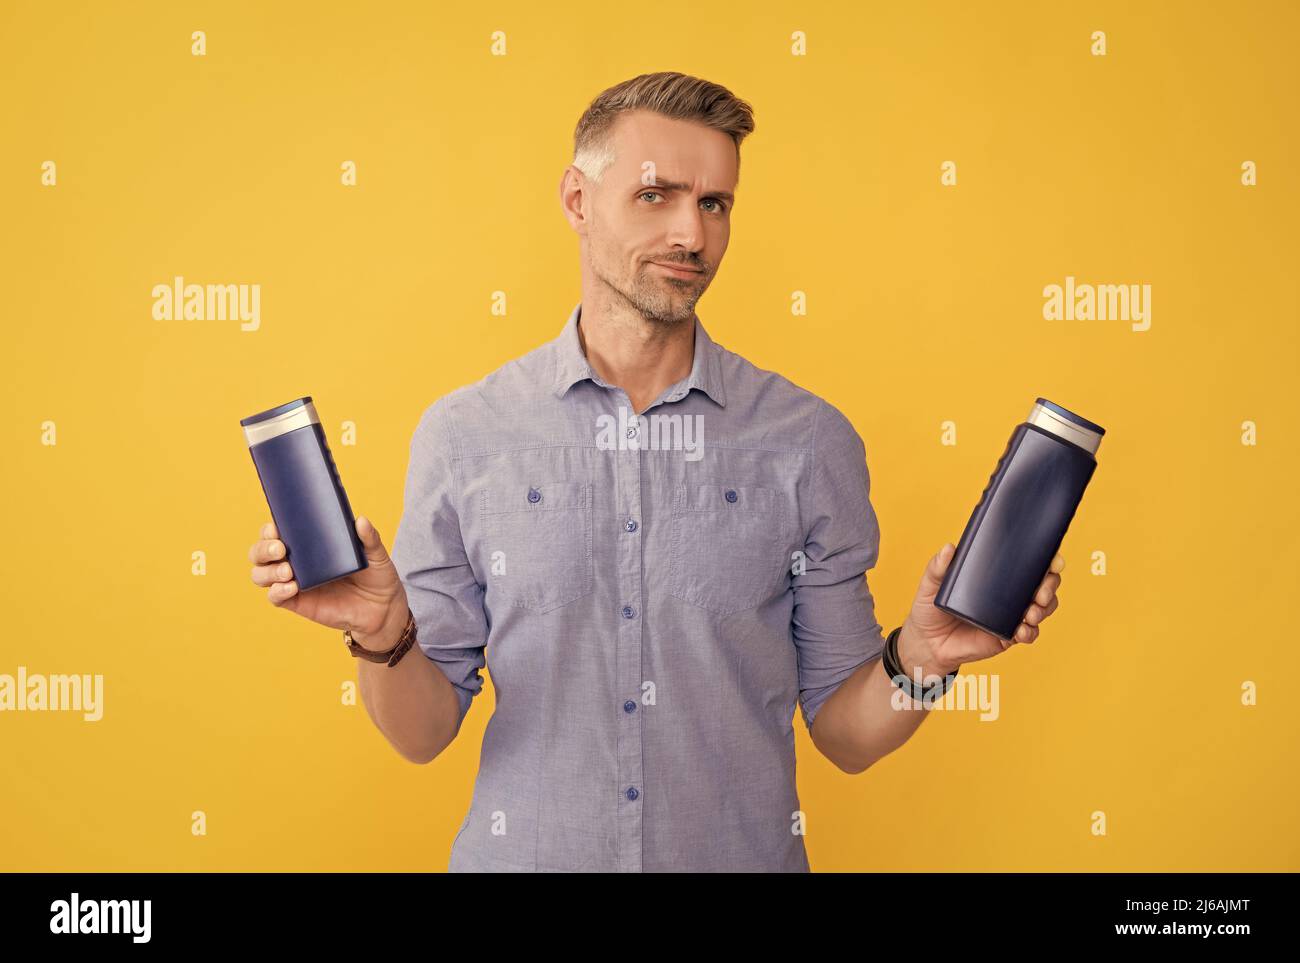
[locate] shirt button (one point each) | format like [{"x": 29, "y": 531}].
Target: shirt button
[
  {"x": 731, "y": 494},
  {"x": 631, "y": 432},
  {"x": 631, "y": 792},
  {"x": 628, "y": 611},
  {"x": 534, "y": 495},
  {"x": 630, "y": 525},
  {"x": 629, "y": 706}
]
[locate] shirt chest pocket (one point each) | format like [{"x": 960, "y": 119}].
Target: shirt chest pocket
[
  {"x": 727, "y": 546},
  {"x": 538, "y": 542}
]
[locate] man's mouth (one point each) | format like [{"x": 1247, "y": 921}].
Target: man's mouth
[{"x": 676, "y": 270}]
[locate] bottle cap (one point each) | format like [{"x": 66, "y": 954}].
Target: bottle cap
[
  {"x": 274, "y": 422},
  {"x": 1066, "y": 424}
]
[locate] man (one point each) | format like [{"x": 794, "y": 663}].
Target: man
[{"x": 663, "y": 548}]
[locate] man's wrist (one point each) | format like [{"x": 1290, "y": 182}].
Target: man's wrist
[
  {"x": 915, "y": 654},
  {"x": 389, "y": 633}
]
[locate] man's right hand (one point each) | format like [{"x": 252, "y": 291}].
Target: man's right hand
[{"x": 371, "y": 602}]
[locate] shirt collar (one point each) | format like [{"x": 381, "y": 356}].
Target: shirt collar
[{"x": 572, "y": 365}]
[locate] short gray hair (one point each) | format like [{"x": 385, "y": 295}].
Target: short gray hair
[{"x": 669, "y": 93}]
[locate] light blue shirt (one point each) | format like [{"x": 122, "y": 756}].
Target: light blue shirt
[{"x": 652, "y": 597}]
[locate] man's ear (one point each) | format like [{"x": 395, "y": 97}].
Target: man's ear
[{"x": 573, "y": 188}]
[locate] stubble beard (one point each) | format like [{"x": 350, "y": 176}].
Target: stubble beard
[{"x": 661, "y": 300}]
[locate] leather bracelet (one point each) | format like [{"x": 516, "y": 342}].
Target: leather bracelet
[
  {"x": 905, "y": 682},
  {"x": 391, "y": 656}
]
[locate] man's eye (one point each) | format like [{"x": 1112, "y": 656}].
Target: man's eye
[{"x": 718, "y": 207}]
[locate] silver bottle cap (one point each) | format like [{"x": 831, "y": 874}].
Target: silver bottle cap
[
  {"x": 1066, "y": 424},
  {"x": 297, "y": 416}
]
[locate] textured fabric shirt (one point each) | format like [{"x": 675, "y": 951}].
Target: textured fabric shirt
[{"x": 652, "y": 595}]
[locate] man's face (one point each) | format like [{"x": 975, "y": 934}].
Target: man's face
[{"x": 666, "y": 200}]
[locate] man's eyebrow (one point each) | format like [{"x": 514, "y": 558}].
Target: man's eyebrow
[{"x": 679, "y": 186}]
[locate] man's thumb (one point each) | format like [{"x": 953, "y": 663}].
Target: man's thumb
[
  {"x": 935, "y": 571},
  {"x": 370, "y": 539}
]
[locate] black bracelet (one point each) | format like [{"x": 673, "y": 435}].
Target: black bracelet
[{"x": 905, "y": 682}]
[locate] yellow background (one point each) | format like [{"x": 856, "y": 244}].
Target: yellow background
[{"x": 925, "y": 305}]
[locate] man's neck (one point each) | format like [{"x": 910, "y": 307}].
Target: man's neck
[{"x": 641, "y": 357}]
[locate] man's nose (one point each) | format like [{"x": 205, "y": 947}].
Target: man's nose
[{"x": 686, "y": 229}]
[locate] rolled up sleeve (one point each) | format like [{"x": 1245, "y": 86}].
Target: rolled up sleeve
[
  {"x": 835, "y": 627},
  {"x": 429, "y": 554}
]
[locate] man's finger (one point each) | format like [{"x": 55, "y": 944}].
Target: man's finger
[
  {"x": 1047, "y": 589},
  {"x": 266, "y": 575},
  {"x": 1026, "y": 633},
  {"x": 281, "y": 592},
  {"x": 267, "y": 550}
]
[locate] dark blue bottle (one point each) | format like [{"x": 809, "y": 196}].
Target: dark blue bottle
[
  {"x": 1021, "y": 518},
  {"x": 304, "y": 492}
]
